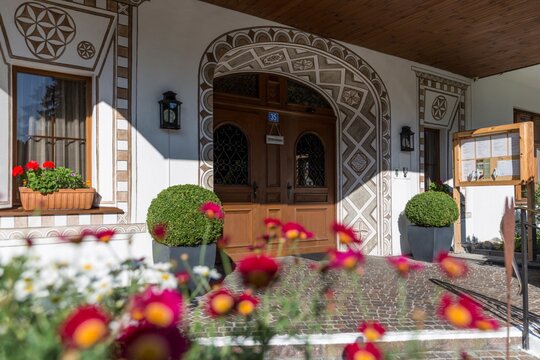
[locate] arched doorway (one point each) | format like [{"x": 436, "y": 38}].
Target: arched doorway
[
  {"x": 356, "y": 93},
  {"x": 274, "y": 156}
]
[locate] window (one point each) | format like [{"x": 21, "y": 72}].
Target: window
[
  {"x": 231, "y": 156},
  {"x": 310, "y": 161},
  {"x": 52, "y": 119},
  {"x": 519, "y": 116},
  {"x": 432, "y": 171}
]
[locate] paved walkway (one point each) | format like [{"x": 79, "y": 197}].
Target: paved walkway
[{"x": 378, "y": 293}]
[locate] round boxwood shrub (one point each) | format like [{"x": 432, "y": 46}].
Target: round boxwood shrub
[
  {"x": 432, "y": 209},
  {"x": 176, "y": 210}
]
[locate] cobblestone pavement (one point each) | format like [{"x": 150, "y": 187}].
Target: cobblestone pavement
[
  {"x": 378, "y": 293},
  {"x": 477, "y": 355}
]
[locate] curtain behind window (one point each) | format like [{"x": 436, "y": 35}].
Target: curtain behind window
[{"x": 51, "y": 121}]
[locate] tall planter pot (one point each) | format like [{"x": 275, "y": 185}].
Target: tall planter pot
[
  {"x": 427, "y": 242},
  {"x": 163, "y": 253},
  {"x": 63, "y": 199}
]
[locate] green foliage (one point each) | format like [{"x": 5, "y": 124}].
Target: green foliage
[
  {"x": 439, "y": 186},
  {"x": 47, "y": 181},
  {"x": 432, "y": 209},
  {"x": 178, "y": 210}
]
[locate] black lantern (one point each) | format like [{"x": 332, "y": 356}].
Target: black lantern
[
  {"x": 169, "y": 111},
  {"x": 407, "y": 139}
]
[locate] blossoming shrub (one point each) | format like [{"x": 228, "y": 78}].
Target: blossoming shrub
[{"x": 177, "y": 211}]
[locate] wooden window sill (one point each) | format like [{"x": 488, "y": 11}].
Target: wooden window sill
[{"x": 19, "y": 211}]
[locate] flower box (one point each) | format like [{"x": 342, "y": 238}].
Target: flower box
[{"x": 63, "y": 199}]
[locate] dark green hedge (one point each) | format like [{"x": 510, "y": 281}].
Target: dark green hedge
[
  {"x": 178, "y": 210},
  {"x": 432, "y": 209}
]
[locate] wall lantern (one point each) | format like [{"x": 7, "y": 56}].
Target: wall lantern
[
  {"x": 407, "y": 139},
  {"x": 169, "y": 111}
]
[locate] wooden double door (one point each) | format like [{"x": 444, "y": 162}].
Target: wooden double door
[{"x": 293, "y": 181}]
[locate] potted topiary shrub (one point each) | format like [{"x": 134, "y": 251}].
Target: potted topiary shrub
[
  {"x": 432, "y": 214},
  {"x": 179, "y": 226},
  {"x": 52, "y": 188}
]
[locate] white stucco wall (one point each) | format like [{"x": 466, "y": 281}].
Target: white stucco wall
[
  {"x": 172, "y": 37},
  {"x": 493, "y": 101}
]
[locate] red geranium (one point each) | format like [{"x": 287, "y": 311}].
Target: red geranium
[
  {"x": 17, "y": 171},
  {"x": 84, "y": 327},
  {"x": 32, "y": 165},
  {"x": 258, "y": 271},
  {"x": 48, "y": 165}
]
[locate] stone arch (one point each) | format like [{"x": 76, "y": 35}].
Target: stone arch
[{"x": 357, "y": 94}]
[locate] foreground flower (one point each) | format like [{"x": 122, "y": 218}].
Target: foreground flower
[
  {"x": 461, "y": 312},
  {"x": 346, "y": 235},
  {"x": 258, "y": 271},
  {"x": 145, "y": 342},
  {"x": 17, "y": 171},
  {"x": 32, "y": 165},
  {"x": 246, "y": 304},
  {"x": 357, "y": 351},
  {"x": 348, "y": 260},
  {"x": 206, "y": 272},
  {"x": 84, "y": 327},
  {"x": 372, "y": 330},
  {"x": 48, "y": 165},
  {"x": 272, "y": 223},
  {"x": 160, "y": 231},
  {"x": 212, "y": 210},
  {"x": 403, "y": 265},
  {"x": 220, "y": 302},
  {"x": 182, "y": 278},
  {"x": 292, "y": 231},
  {"x": 105, "y": 236},
  {"x": 452, "y": 267},
  {"x": 161, "y": 308},
  {"x": 486, "y": 324}
]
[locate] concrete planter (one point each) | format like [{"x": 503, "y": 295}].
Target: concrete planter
[
  {"x": 63, "y": 199},
  {"x": 164, "y": 253},
  {"x": 427, "y": 242}
]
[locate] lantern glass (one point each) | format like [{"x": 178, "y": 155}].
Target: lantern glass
[
  {"x": 407, "y": 139},
  {"x": 169, "y": 108}
]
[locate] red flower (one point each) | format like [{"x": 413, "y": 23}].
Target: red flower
[
  {"x": 32, "y": 165},
  {"x": 486, "y": 324},
  {"x": 403, "y": 265},
  {"x": 246, "y": 304},
  {"x": 272, "y": 223},
  {"x": 143, "y": 341},
  {"x": 17, "y": 171},
  {"x": 220, "y": 303},
  {"x": 105, "y": 236},
  {"x": 356, "y": 351},
  {"x": 348, "y": 260},
  {"x": 223, "y": 242},
  {"x": 461, "y": 312},
  {"x": 372, "y": 330},
  {"x": 345, "y": 234},
  {"x": 212, "y": 210},
  {"x": 258, "y": 271},
  {"x": 293, "y": 231},
  {"x": 48, "y": 165},
  {"x": 161, "y": 308},
  {"x": 452, "y": 267},
  {"x": 84, "y": 327},
  {"x": 183, "y": 278},
  {"x": 160, "y": 231}
]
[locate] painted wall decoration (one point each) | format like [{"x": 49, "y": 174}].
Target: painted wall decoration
[
  {"x": 441, "y": 104},
  {"x": 56, "y": 32},
  {"x": 354, "y": 89}
]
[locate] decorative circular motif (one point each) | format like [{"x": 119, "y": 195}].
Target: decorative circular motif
[
  {"x": 438, "y": 109},
  {"x": 86, "y": 50},
  {"x": 46, "y": 30}
]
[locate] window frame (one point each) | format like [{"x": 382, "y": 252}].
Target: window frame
[
  {"x": 436, "y": 133},
  {"x": 88, "y": 141}
]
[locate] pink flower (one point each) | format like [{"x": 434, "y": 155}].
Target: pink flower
[
  {"x": 212, "y": 210},
  {"x": 348, "y": 260},
  {"x": 105, "y": 236},
  {"x": 246, "y": 304},
  {"x": 160, "y": 231},
  {"x": 220, "y": 303},
  {"x": 258, "y": 271},
  {"x": 403, "y": 265},
  {"x": 143, "y": 341},
  {"x": 84, "y": 327},
  {"x": 452, "y": 267},
  {"x": 272, "y": 223},
  {"x": 356, "y": 351},
  {"x": 346, "y": 234},
  {"x": 160, "y": 308},
  {"x": 372, "y": 330}
]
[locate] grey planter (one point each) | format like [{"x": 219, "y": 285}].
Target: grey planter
[
  {"x": 164, "y": 253},
  {"x": 427, "y": 242}
]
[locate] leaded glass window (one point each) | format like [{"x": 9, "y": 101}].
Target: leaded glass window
[
  {"x": 302, "y": 95},
  {"x": 231, "y": 156},
  {"x": 310, "y": 161},
  {"x": 238, "y": 84}
]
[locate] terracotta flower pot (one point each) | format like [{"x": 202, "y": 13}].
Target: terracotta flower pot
[{"x": 63, "y": 199}]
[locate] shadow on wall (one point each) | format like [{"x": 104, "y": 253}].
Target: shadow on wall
[{"x": 403, "y": 223}]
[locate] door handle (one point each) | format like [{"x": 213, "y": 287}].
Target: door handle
[
  {"x": 289, "y": 190},
  {"x": 254, "y": 187}
]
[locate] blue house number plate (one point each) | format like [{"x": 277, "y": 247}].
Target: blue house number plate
[{"x": 273, "y": 117}]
